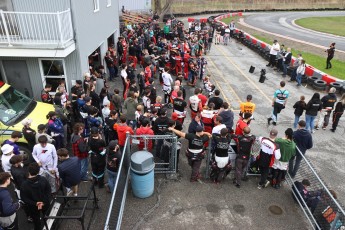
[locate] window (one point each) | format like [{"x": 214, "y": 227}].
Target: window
[
  {"x": 95, "y": 5},
  {"x": 108, "y": 3},
  {"x": 53, "y": 73}
]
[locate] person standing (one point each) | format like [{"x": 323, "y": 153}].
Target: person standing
[
  {"x": 275, "y": 48},
  {"x": 195, "y": 152},
  {"x": 311, "y": 110},
  {"x": 36, "y": 193},
  {"x": 304, "y": 141},
  {"x": 69, "y": 171},
  {"x": 167, "y": 80},
  {"x": 287, "y": 150},
  {"x": 232, "y": 28},
  {"x": 122, "y": 128},
  {"x": 299, "y": 107},
  {"x": 330, "y": 54},
  {"x": 242, "y": 123},
  {"x": 97, "y": 152},
  {"x": 227, "y": 115},
  {"x": 45, "y": 156},
  {"x": 338, "y": 112},
  {"x": 248, "y": 106},
  {"x": 195, "y": 103},
  {"x": 278, "y": 103},
  {"x": 161, "y": 123},
  {"x": 56, "y": 129},
  {"x": 218, "y": 102},
  {"x": 7, "y": 154},
  {"x": 286, "y": 61},
  {"x": 130, "y": 105},
  {"x": 80, "y": 148},
  {"x": 244, "y": 144},
  {"x": 15, "y": 136},
  {"x": 8, "y": 208},
  {"x": 113, "y": 163},
  {"x": 45, "y": 96},
  {"x": 145, "y": 129},
  {"x": 328, "y": 102},
  {"x": 269, "y": 151},
  {"x": 300, "y": 72},
  {"x": 28, "y": 133}
]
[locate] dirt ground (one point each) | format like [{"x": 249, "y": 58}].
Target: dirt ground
[{"x": 289, "y": 43}]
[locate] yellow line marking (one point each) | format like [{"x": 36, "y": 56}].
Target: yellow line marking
[
  {"x": 225, "y": 81},
  {"x": 244, "y": 75}
]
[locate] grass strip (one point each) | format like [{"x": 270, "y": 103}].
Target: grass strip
[{"x": 332, "y": 25}]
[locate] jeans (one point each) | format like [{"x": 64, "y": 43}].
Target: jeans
[
  {"x": 111, "y": 179},
  {"x": 299, "y": 78},
  {"x": 285, "y": 68},
  {"x": 296, "y": 121},
  {"x": 241, "y": 165},
  {"x": 84, "y": 164},
  {"x": 293, "y": 168},
  {"x": 132, "y": 123},
  {"x": 310, "y": 122},
  {"x": 112, "y": 73}
]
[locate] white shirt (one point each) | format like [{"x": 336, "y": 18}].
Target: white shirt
[
  {"x": 275, "y": 49},
  {"x": 167, "y": 80},
  {"x": 5, "y": 161},
  {"x": 47, "y": 156},
  {"x": 218, "y": 128},
  {"x": 124, "y": 74}
]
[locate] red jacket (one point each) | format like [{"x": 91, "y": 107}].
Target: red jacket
[
  {"x": 121, "y": 132},
  {"x": 240, "y": 126},
  {"x": 145, "y": 131}
]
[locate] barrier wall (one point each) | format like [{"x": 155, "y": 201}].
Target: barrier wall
[{"x": 310, "y": 70}]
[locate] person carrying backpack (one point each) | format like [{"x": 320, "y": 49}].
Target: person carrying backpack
[{"x": 80, "y": 149}]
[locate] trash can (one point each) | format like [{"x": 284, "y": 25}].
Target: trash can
[{"x": 142, "y": 174}]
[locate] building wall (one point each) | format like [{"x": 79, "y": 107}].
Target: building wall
[
  {"x": 135, "y": 4},
  {"x": 93, "y": 28},
  {"x": 41, "y": 5}
]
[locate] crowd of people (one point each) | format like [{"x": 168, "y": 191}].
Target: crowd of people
[{"x": 91, "y": 123}]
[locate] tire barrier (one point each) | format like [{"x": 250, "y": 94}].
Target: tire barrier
[
  {"x": 320, "y": 85},
  {"x": 263, "y": 49},
  {"x": 311, "y": 80}
]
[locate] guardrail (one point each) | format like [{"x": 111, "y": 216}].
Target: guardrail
[
  {"x": 118, "y": 199},
  {"x": 35, "y": 28}
]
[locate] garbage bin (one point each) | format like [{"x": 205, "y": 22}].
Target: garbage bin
[{"x": 142, "y": 174}]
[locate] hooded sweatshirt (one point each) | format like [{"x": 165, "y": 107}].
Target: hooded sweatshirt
[
  {"x": 130, "y": 105},
  {"x": 287, "y": 151},
  {"x": 47, "y": 156},
  {"x": 303, "y": 140},
  {"x": 36, "y": 189}
]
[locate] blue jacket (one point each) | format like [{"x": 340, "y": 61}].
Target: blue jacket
[
  {"x": 55, "y": 126},
  {"x": 69, "y": 172},
  {"x": 7, "y": 207},
  {"x": 303, "y": 140}
]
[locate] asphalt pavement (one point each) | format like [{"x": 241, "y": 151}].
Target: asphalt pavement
[{"x": 282, "y": 23}]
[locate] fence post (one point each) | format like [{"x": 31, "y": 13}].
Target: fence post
[
  {"x": 59, "y": 26},
  {"x": 5, "y": 27}
]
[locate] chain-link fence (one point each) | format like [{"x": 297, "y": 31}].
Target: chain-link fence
[
  {"x": 166, "y": 161},
  {"x": 316, "y": 200}
]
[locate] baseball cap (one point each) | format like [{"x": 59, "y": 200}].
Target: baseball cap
[
  {"x": 332, "y": 90},
  {"x": 27, "y": 121},
  {"x": 273, "y": 132},
  {"x": 6, "y": 149},
  {"x": 199, "y": 128},
  {"x": 112, "y": 144}
]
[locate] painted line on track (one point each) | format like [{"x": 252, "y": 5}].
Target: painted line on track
[
  {"x": 243, "y": 74},
  {"x": 225, "y": 81}
]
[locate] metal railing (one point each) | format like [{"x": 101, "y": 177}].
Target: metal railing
[
  {"x": 118, "y": 199},
  {"x": 321, "y": 209},
  {"x": 34, "y": 28}
]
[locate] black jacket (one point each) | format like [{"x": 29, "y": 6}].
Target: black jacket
[
  {"x": 161, "y": 123},
  {"x": 192, "y": 126},
  {"x": 288, "y": 58},
  {"x": 19, "y": 175},
  {"x": 329, "y": 100},
  {"x": 313, "y": 107},
  {"x": 299, "y": 107},
  {"x": 34, "y": 190},
  {"x": 303, "y": 140}
]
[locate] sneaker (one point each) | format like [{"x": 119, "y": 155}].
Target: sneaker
[
  {"x": 333, "y": 130},
  {"x": 238, "y": 185},
  {"x": 260, "y": 186},
  {"x": 69, "y": 192},
  {"x": 269, "y": 120},
  {"x": 266, "y": 184},
  {"x": 274, "y": 123},
  {"x": 313, "y": 131},
  {"x": 324, "y": 127},
  {"x": 277, "y": 186},
  {"x": 317, "y": 128}
]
